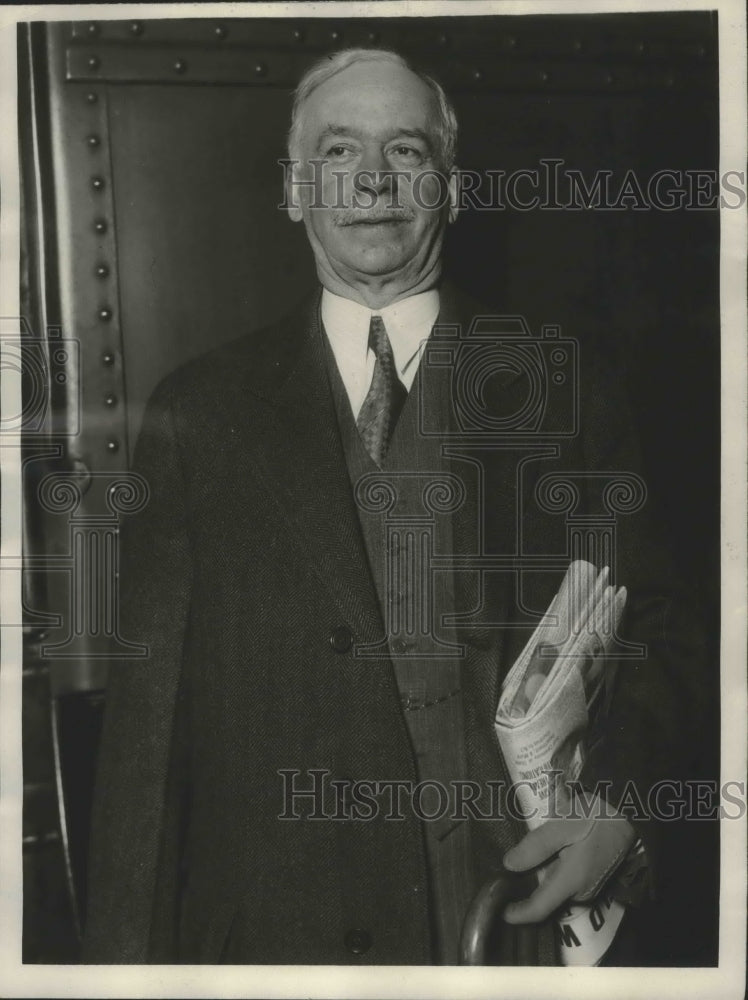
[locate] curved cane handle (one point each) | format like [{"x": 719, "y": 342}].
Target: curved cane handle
[{"x": 488, "y": 901}]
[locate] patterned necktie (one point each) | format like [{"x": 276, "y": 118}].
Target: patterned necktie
[{"x": 385, "y": 398}]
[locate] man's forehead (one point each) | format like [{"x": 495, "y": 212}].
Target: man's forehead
[{"x": 375, "y": 94}]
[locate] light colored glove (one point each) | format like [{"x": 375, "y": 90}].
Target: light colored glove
[{"x": 588, "y": 852}]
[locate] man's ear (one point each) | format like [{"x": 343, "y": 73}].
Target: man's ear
[
  {"x": 454, "y": 193},
  {"x": 293, "y": 205}
]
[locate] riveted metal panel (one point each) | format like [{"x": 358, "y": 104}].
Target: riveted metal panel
[
  {"x": 185, "y": 64},
  {"x": 87, "y": 258},
  {"x": 612, "y": 36},
  {"x": 610, "y": 55},
  {"x": 252, "y": 66}
]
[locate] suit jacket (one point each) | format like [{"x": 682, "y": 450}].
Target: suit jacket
[{"x": 246, "y": 576}]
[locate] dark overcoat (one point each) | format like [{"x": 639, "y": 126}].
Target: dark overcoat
[{"x": 245, "y": 576}]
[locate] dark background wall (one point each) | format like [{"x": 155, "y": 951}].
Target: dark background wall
[{"x": 151, "y": 183}]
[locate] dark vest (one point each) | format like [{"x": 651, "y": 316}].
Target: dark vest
[{"x": 404, "y": 513}]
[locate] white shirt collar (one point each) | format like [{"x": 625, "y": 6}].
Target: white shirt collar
[{"x": 408, "y": 323}]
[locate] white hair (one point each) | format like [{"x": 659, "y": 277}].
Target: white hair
[{"x": 333, "y": 64}]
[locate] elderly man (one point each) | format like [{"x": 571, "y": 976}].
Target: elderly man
[{"x": 306, "y": 665}]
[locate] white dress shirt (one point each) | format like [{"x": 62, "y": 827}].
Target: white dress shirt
[{"x": 408, "y": 323}]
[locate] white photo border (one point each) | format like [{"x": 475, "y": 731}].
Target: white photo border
[{"x": 726, "y": 980}]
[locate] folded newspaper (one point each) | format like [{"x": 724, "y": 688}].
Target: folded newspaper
[{"x": 541, "y": 722}]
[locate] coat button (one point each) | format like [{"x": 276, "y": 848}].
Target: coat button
[
  {"x": 358, "y": 941},
  {"x": 341, "y": 639}
]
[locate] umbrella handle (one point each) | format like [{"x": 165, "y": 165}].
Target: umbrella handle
[{"x": 488, "y": 901}]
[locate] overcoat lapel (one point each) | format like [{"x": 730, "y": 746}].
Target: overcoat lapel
[{"x": 299, "y": 456}]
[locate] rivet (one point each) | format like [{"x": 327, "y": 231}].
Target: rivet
[
  {"x": 180, "y": 66},
  {"x": 577, "y": 46},
  {"x": 97, "y": 183},
  {"x": 641, "y": 47},
  {"x": 669, "y": 80},
  {"x": 701, "y": 51},
  {"x": 478, "y": 74},
  {"x": 100, "y": 226},
  {"x": 110, "y": 399},
  {"x": 373, "y": 36},
  {"x": 60, "y": 378},
  {"x": 260, "y": 69},
  {"x": 220, "y": 31},
  {"x": 91, "y": 98},
  {"x": 93, "y": 141},
  {"x": 511, "y": 42},
  {"x": 94, "y": 62},
  {"x": 609, "y": 78},
  {"x": 336, "y": 35},
  {"x": 102, "y": 271},
  {"x": 443, "y": 39},
  {"x": 136, "y": 28},
  {"x": 299, "y": 34},
  {"x": 105, "y": 314},
  {"x": 112, "y": 446},
  {"x": 92, "y": 28},
  {"x": 544, "y": 78},
  {"x": 107, "y": 358}
]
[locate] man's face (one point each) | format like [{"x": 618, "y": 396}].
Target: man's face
[{"x": 374, "y": 126}]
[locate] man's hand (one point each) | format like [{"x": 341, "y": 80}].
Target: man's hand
[{"x": 588, "y": 850}]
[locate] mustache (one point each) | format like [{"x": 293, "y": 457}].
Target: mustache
[{"x": 371, "y": 216}]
